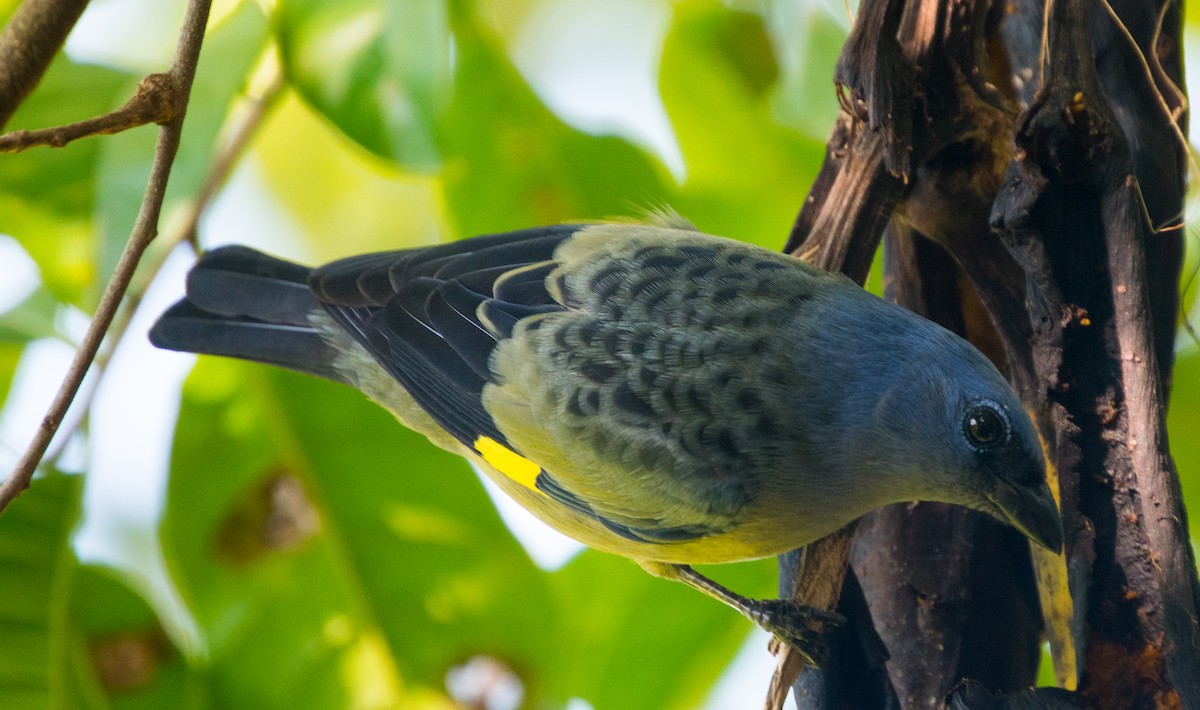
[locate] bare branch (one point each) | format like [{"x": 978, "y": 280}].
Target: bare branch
[
  {"x": 30, "y": 40},
  {"x": 218, "y": 174},
  {"x": 155, "y": 101},
  {"x": 183, "y": 71}
]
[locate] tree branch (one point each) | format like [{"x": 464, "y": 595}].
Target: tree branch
[
  {"x": 218, "y": 173},
  {"x": 182, "y": 72},
  {"x": 33, "y": 35},
  {"x": 155, "y": 101},
  {"x": 1096, "y": 166}
]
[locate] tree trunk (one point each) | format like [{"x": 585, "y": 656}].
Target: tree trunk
[{"x": 1025, "y": 167}]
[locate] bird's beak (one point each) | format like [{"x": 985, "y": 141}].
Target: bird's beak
[{"x": 1032, "y": 511}]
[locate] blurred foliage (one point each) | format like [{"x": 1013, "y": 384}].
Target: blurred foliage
[
  {"x": 36, "y": 559},
  {"x": 379, "y": 70},
  {"x": 48, "y": 198},
  {"x": 325, "y": 556}
]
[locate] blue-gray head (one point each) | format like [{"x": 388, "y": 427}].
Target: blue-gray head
[{"x": 932, "y": 419}]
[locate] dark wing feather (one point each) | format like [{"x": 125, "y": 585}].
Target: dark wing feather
[
  {"x": 418, "y": 313},
  {"x": 451, "y": 310},
  {"x": 529, "y": 250},
  {"x": 502, "y": 316},
  {"x": 527, "y": 287},
  {"x": 245, "y": 304}
]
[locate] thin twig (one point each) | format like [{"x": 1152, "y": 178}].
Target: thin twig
[
  {"x": 183, "y": 71},
  {"x": 30, "y": 40},
  {"x": 218, "y": 173},
  {"x": 155, "y": 101}
]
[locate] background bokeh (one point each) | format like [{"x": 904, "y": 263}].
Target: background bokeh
[{"x": 304, "y": 550}]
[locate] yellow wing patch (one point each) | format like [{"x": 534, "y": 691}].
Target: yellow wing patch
[{"x": 508, "y": 462}]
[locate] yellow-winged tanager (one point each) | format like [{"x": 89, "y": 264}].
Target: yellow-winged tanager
[{"x": 654, "y": 392}]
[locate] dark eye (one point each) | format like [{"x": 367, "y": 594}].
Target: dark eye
[{"x": 985, "y": 426}]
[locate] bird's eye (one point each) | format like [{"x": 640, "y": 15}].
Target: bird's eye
[{"x": 985, "y": 426}]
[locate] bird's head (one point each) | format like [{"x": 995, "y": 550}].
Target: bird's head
[
  {"x": 952, "y": 430},
  {"x": 1007, "y": 454},
  {"x": 999, "y": 458}
]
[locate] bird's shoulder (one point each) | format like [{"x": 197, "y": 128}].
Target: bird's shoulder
[
  {"x": 669, "y": 374},
  {"x": 650, "y": 273}
]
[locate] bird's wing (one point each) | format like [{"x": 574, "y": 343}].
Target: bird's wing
[
  {"x": 415, "y": 312},
  {"x": 633, "y": 374}
]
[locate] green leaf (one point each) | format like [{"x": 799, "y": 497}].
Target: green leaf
[
  {"x": 380, "y": 71},
  {"x": 10, "y": 357},
  {"x": 746, "y": 172},
  {"x": 1182, "y": 415},
  {"x": 319, "y": 543},
  {"x": 228, "y": 54},
  {"x": 666, "y": 642},
  {"x": 511, "y": 163},
  {"x": 242, "y": 541},
  {"x": 30, "y": 319},
  {"x": 808, "y": 40},
  {"x": 47, "y": 194},
  {"x": 325, "y": 186},
  {"x": 36, "y": 564},
  {"x": 434, "y": 564},
  {"x": 123, "y": 657}
]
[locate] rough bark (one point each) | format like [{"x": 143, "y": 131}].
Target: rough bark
[{"x": 1024, "y": 181}]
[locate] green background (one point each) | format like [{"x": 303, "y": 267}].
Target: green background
[{"x": 319, "y": 554}]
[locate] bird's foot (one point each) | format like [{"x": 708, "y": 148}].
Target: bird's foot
[{"x": 792, "y": 624}]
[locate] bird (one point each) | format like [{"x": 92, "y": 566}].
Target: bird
[{"x": 652, "y": 391}]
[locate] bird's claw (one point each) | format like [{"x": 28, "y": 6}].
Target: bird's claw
[{"x": 792, "y": 623}]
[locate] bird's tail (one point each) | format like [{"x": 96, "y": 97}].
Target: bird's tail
[{"x": 245, "y": 304}]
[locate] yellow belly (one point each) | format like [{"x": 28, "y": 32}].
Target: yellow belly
[{"x": 758, "y": 536}]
